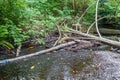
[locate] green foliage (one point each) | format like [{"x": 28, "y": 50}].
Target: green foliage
[
  {"x": 12, "y": 10},
  {"x": 16, "y": 34},
  {"x": 50, "y": 11},
  {"x": 3, "y": 32},
  {"x": 40, "y": 41},
  {"x": 6, "y": 45},
  {"x": 110, "y": 8},
  {"x": 21, "y": 20},
  {"x": 3, "y": 38},
  {"x": 11, "y": 14},
  {"x": 106, "y": 8}
]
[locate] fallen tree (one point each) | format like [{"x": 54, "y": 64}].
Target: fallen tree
[
  {"x": 4, "y": 62},
  {"x": 108, "y": 31},
  {"x": 101, "y": 39}
]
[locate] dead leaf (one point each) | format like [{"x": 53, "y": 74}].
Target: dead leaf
[
  {"x": 32, "y": 67},
  {"x": 31, "y": 47}
]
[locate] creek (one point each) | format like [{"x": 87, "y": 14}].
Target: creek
[{"x": 84, "y": 64}]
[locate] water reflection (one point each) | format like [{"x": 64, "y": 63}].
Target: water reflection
[{"x": 60, "y": 65}]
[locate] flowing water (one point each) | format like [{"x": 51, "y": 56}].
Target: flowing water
[{"x": 65, "y": 65}]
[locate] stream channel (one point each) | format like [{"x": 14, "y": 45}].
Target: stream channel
[{"x": 84, "y": 64}]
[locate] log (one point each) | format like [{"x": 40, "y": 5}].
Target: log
[
  {"x": 108, "y": 31},
  {"x": 101, "y": 39},
  {"x": 4, "y": 62}
]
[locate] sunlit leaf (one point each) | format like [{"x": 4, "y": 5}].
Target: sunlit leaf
[
  {"x": 31, "y": 47},
  {"x": 32, "y": 67}
]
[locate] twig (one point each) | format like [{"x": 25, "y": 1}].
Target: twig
[
  {"x": 60, "y": 34},
  {"x": 58, "y": 37},
  {"x": 82, "y": 16},
  {"x": 18, "y": 50},
  {"x": 96, "y": 15},
  {"x": 84, "y": 13}
]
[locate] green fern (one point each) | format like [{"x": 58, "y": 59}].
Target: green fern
[
  {"x": 3, "y": 36},
  {"x": 6, "y": 45},
  {"x": 3, "y": 32}
]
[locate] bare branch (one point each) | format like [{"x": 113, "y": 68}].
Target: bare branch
[
  {"x": 60, "y": 34},
  {"x": 96, "y": 15},
  {"x": 97, "y": 21},
  {"x": 18, "y": 50},
  {"x": 85, "y": 12},
  {"x": 58, "y": 37}
]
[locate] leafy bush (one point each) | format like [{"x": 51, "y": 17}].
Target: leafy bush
[
  {"x": 11, "y": 14},
  {"x": 110, "y": 8},
  {"x": 12, "y": 10}
]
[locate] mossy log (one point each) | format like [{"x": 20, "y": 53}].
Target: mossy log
[{"x": 109, "y": 31}]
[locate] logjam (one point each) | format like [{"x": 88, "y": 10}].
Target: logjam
[
  {"x": 101, "y": 39},
  {"x": 3, "y": 62}
]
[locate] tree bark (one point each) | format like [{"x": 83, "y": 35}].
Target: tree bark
[{"x": 74, "y": 7}]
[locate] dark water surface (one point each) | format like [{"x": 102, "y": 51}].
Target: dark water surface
[{"x": 64, "y": 65}]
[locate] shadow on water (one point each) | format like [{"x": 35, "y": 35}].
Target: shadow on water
[{"x": 58, "y": 65}]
